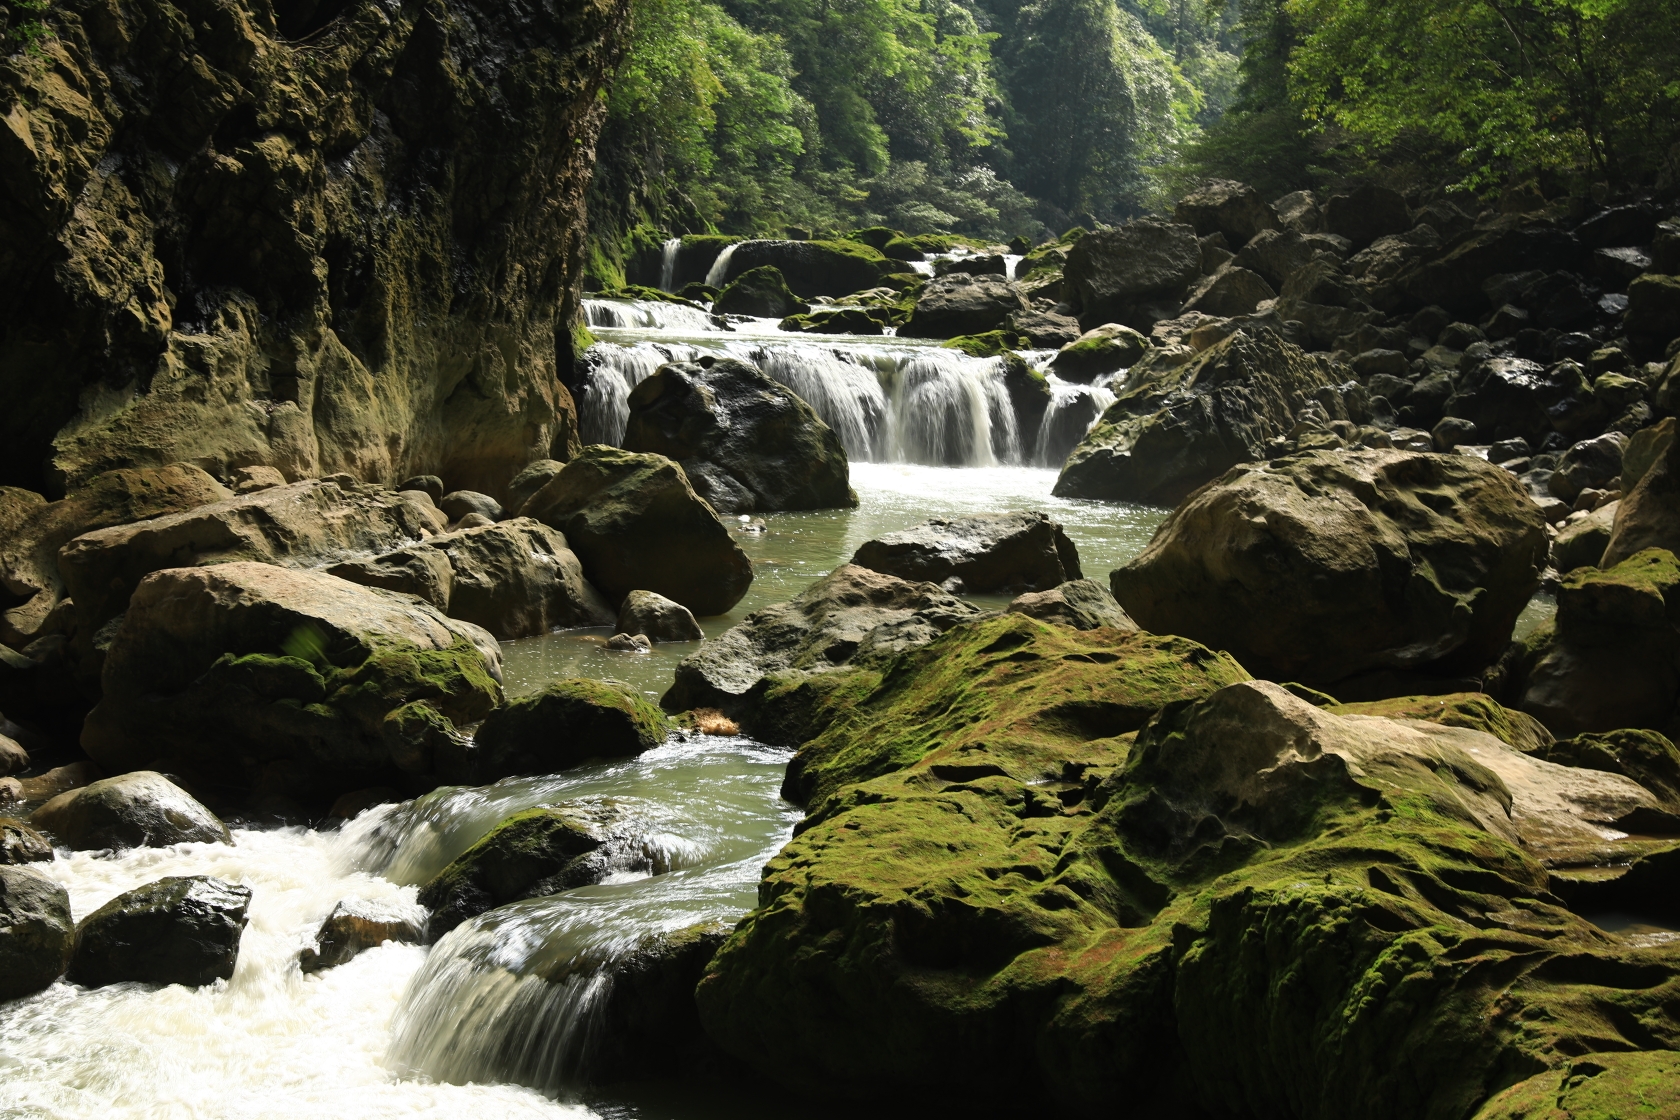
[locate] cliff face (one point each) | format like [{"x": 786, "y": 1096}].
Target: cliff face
[{"x": 334, "y": 236}]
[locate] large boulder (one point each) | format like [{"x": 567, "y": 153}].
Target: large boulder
[
  {"x": 963, "y": 304},
  {"x": 637, "y": 524},
  {"x": 178, "y": 930},
  {"x": 562, "y": 725},
  {"x": 533, "y": 853},
  {"x": 1223, "y": 206},
  {"x": 1278, "y": 254},
  {"x": 1654, "y": 308},
  {"x": 1592, "y": 463},
  {"x": 1366, "y": 213},
  {"x": 1326, "y": 565},
  {"x": 1453, "y": 279},
  {"x": 32, "y": 530},
  {"x": 760, "y": 292},
  {"x": 982, "y": 862},
  {"x": 813, "y": 268},
  {"x": 1014, "y": 552},
  {"x": 138, "y": 810},
  {"x": 304, "y": 525},
  {"x": 1228, "y": 292},
  {"x": 1174, "y": 428},
  {"x": 1513, "y": 398},
  {"x": 744, "y": 441},
  {"x": 1648, "y": 516},
  {"x": 1581, "y": 542},
  {"x": 252, "y": 674},
  {"x": 1112, "y": 275},
  {"x": 37, "y": 933},
  {"x": 657, "y": 618},
  {"x": 516, "y": 578},
  {"x": 850, "y": 617}
]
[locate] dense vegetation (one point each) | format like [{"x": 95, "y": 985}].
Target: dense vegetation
[{"x": 999, "y": 118}]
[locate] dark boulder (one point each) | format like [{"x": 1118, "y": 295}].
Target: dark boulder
[
  {"x": 566, "y": 723},
  {"x": 839, "y": 320},
  {"x": 530, "y": 479},
  {"x": 1113, "y": 275},
  {"x": 637, "y": 524},
  {"x": 1223, "y": 206},
  {"x": 1513, "y": 398},
  {"x": 657, "y": 618},
  {"x": 745, "y": 441},
  {"x": 1366, "y": 213},
  {"x": 19, "y": 843},
  {"x": 1277, "y": 254},
  {"x": 356, "y": 924},
  {"x": 1105, "y": 349},
  {"x": 1083, "y": 604},
  {"x": 37, "y": 934},
  {"x": 179, "y": 930},
  {"x": 1648, "y": 516},
  {"x": 760, "y": 292},
  {"x": 1324, "y": 565},
  {"x": 1454, "y": 279},
  {"x": 813, "y": 268},
  {"x": 1653, "y": 309},
  {"x": 1230, "y": 291},
  {"x": 1590, "y": 464},
  {"x": 136, "y": 810},
  {"x": 986, "y": 553},
  {"x": 961, "y": 304}
]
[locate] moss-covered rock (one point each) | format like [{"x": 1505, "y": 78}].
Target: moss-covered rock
[
  {"x": 988, "y": 345},
  {"x": 1648, "y": 757},
  {"x": 568, "y": 722},
  {"x": 843, "y": 320},
  {"x": 1474, "y": 710},
  {"x": 761, "y": 292},
  {"x": 1105, "y": 349},
  {"x": 814, "y": 268}
]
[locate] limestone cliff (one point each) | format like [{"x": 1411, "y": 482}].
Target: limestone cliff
[{"x": 334, "y": 236}]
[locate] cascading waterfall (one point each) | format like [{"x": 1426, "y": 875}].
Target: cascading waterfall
[
  {"x": 1010, "y": 263},
  {"x": 668, "y": 264},
  {"x": 951, "y": 410},
  {"x": 603, "y": 401},
  {"x": 644, "y": 314},
  {"x": 719, "y": 272},
  {"x": 1072, "y": 410}
]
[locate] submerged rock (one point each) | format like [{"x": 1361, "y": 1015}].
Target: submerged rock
[
  {"x": 568, "y": 722},
  {"x": 37, "y": 934},
  {"x": 744, "y": 441},
  {"x": 1325, "y": 565},
  {"x": 637, "y": 524},
  {"x": 1083, "y": 604},
  {"x": 247, "y": 670},
  {"x": 1025, "y": 551},
  {"x": 179, "y": 930},
  {"x": 657, "y": 618},
  {"x": 356, "y": 924},
  {"x": 138, "y": 810}
]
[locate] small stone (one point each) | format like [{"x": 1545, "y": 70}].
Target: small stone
[
  {"x": 1453, "y": 432},
  {"x": 356, "y": 924},
  {"x": 630, "y": 643},
  {"x": 21, "y": 844}
]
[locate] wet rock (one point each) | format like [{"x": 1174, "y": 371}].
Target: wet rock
[
  {"x": 1581, "y": 542},
  {"x": 630, "y": 643},
  {"x": 44, "y": 787},
  {"x": 464, "y": 503},
  {"x": 744, "y": 441},
  {"x": 236, "y": 667},
  {"x": 13, "y": 758},
  {"x": 1231, "y": 291},
  {"x": 533, "y": 853},
  {"x": 658, "y": 618},
  {"x": 566, "y": 723},
  {"x": 1324, "y": 565},
  {"x": 842, "y": 320},
  {"x": 20, "y": 843},
  {"x": 637, "y": 524},
  {"x": 516, "y": 578},
  {"x": 32, "y": 530},
  {"x": 36, "y": 932},
  {"x": 1592, "y": 463},
  {"x": 1645, "y": 756},
  {"x": 1016, "y": 552},
  {"x": 853, "y": 616},
  {"x": 1366, "y": 213},
  {"x": 814, "y": 268},
  {"x": 304, "y": 525},
  {"x": 529, "y": 480},
  {"x": 137, "y": 810},
  {"x": 1513, "y": 398},
  {"x": 1046, "y": 330},
  {"x": 1105, "y": 349},
  {"x": 1648, "y": 516},
  {"x": 1083, "y": 604},
  {"x": 1228, "y": 207},
  {"x": 1111, "y": 274},
  {"x": 179, "y": 930},
  {"x": 1174, "y": 428},
  {"x": 356, "y": 924},
  {"x": 760, "y": 292},
  {"x": 961, "y": 304},
  {"x": 651, "y": 1007}
]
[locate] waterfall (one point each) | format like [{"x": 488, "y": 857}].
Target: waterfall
[
  {"x": 1072, "y": 411},
  {"x": 646, "y": 314},
  {"x": 1010, "y": 263},
  {"x": 719, "y": 272},
  {"x": 603, "y": 400},
  {"x": 949, "y": 409},
  {"x": 668, "y": 264},
  {"x": 848, "y": 396}
]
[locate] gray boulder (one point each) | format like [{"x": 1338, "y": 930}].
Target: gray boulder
[
  {"x": 1232, "y": 208},
  {"x": 961, "y": 304},
  {"x": 37, "y": 934},
  {"x": 1277, "y": 254},
  {"x": 637, "y": 524},
  {"x": 1230, "y": 291},
  {"x": 1592, "y": 463},
  {"x": 465, "y": 503},
  {"x": 1083, "y": 604},
  {"x": 1023, "y": 551},
  {"x": 744, "y": 441},
  {"x": 657, "y": 618},
  {"x": 851, "y": 617},
  {"x": 179, "y": 930},
  {"x": 1112, "y": 275},
  {"x": 516, "y": 578},
  {"x": 1046, "y": 330},
  {"x": 1174, "y": 428},
  {"x": 143, "y": 809}
]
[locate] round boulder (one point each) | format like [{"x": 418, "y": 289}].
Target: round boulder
[
  {"x": 179, "y": 930},
  {"x": 760, "y": 292},
  {"x": 1024, "y": 551},
  {"x": 569, "y": 722},
  {"x": 139, "y": 810},
  {"x": 657, "y": 618},
  {"x": 961, "y": 304},
  {"x": 1105, "y": 349},
  {"x": 36, "y": 933}
]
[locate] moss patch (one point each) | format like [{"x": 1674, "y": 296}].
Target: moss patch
[
  {"x": 1474, "y": 710},
  {"x": 565, "y": 724}
]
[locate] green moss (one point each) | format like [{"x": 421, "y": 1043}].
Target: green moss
[
  {"x": 1474, "y": 710},
  {"x": 639, "y": 291},
  {"x": 1647, "y": 757},
  {"x": 718, "y": 241},
  {"x": 794, "y": 707},
  {"x": 531, "y": 853},
  {"x": 569, "y": 722},
  {"x": 1603, "y": 1086},
  {"x": 988, "y": 345},
  {"x": 876, "y": 237},
  {"x": 455, "y": 680}
]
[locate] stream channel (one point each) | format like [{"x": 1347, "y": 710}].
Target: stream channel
[{"x": 494, "y": 1020}]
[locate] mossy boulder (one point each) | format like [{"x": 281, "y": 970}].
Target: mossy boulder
[
  {"x": 637, "y": 524},
  {"x": 1474, "y": 710},
  {"x": 760, "y": 292},
  {"x": 530, "y": 854},
  {"x": 988, "y": 345},
  {"x": 962, "y": 304},
  {"x": 1332, "y": 566},
  {"x": 1105, "y": 349},
  {"x": 247, "y": 673},
  {"x": 1647, "y": 757},
  {"x": 814, "y": 268},
  {"x": 840, "y": 320},
  {"x": 1601, "y": 1086},
  {"x": 567, "y": 722}
]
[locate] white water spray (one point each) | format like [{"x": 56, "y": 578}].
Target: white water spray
[{"x": 668, "y": 264}]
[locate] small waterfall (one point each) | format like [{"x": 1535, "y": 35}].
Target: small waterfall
[
  {"x": 668, "y": 264},
  {"x": 646, "y": 314},
  {"x": 719, "y": 272},
  {"x": 1072, "y": 412},
  {"x": 1010, "y": 263},
  {"x": 603, "y": 401},
  {"x": 848, "y": 396},
  {"x": 952, "y": 410}
]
